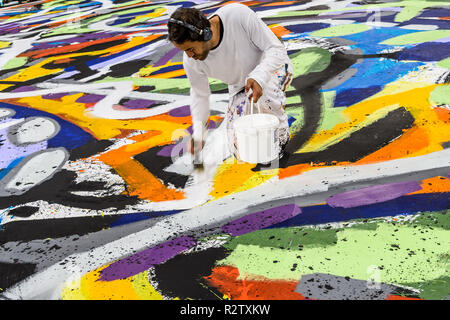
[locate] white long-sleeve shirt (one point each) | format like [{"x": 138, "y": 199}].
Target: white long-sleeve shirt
[{"x": 249, "y": 49}]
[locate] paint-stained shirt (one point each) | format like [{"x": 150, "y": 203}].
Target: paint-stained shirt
[{"x": 249, "y": 49}]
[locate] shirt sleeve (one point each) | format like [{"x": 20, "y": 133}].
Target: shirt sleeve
[
  {"x": 199, "y": 94},
  {"x": 274, "y": 52}
]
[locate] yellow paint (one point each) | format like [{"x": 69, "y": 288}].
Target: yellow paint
[
  {"x": 157, "y": 13},
  {"x": 67, "y": 108},
  {"x": 89, "y": 287},
  {"x": 92, "y": 289},
  {"x": 324, "y": 139},
  {"x": 4, "y": 44},
  {"x": 170, "y": 74},
  {"x": 143, "y": 288},
  {"x": 232, "y": 177},
  {"x": 415, "y": 100},
  {"x": 38, "y": 70},
  {"x": 146, "y": 71}
]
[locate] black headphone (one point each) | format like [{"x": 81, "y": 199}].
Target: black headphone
[{"x": 205, "y": 34}]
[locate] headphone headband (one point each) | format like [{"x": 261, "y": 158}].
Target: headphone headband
[{"x": 205, "y": 33}]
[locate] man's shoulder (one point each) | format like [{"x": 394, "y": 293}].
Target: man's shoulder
[{"x": 233, "y": 8}]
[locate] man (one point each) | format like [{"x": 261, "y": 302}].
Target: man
[{"x": 235, "y": 46}]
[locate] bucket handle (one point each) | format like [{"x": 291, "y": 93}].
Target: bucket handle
[{"x": 251, "y": 103}]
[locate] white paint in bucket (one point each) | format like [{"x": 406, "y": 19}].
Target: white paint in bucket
[{"x": 257, "y": 137}]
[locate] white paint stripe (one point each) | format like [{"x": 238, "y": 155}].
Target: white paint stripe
[{"x": 47, "y": 284}]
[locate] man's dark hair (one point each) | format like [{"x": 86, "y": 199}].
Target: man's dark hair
[{"x": 180, "y": 34}]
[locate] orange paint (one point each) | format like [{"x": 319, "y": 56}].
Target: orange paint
[
  {"x": 294, "y": 170},
  {"x": 76, "y": 47},
  {"x": 410, "y": 144},
  {"x": 443, "y": 114},
  {"x": 280, "y": 31},
  {"x": 433, "y": 185},
  {"x": 140, "y": 181},
  {"x": 272, "y": 4},
  {"x": 168, "y": 75},
  {"x": 224, "y": 278}
]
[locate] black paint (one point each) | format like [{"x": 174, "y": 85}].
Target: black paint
[{"x": 182, "y": 276}]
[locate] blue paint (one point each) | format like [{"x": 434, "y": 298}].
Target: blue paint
[
  {"x": 70, "y": 136},
  {"x": 120, "y": 21},
  {"x": 376, "y": 73},
  {"x": 441, "y": 12},
  {"x": 407, "y": 205},
  {"x": 441, "y": 24},
  {"x": 369, "y": 41},
  {"x": 134, "y": 217},
  {"x": 110, "y": 57},
  {"x": 12, "y": 165},
  {"x": 291, "y": 120},
  {"x": 167, "y": 69},
  {"x": 307, "y": 27},
  {"x": 351, "y": 96},
  {"x": 428, "y": 51}
]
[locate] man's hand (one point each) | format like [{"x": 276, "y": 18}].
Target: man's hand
[
  {"x": 197, "y": 148},
  {"x": 256, "y": 89}
]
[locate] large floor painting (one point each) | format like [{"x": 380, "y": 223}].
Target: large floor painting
[{"x": 98, "y": 198}]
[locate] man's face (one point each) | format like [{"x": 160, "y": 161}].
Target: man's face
[{"x": 197, "y": 50}]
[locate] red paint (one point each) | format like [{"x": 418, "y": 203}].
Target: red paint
[
  {"x": 225, "y": 280},
  {"x": 393, "y": 297}
]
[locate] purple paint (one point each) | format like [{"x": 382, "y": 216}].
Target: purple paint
[
  {"x": 183, "y": 111},
  {"x": 374, "y": 194},
  {"x": 138, "y": 104},
  {"x": 190, "y": 130},
  {"x": 24, "y": 89},
  {"x": 443, "y": 40},
  {"x": 212, "y": 125},
  {"x": 260, "y": 220},
  {"x": 166, "y": 151},
  {"x": 144, "y": 260},
  {"x": 167, "y": 57},
  {"x": 10, "y": 28},
  {"x": 14, "y": 152},
  {"x": 90, "y": 98},
  {"x": 55, "y": 95}
]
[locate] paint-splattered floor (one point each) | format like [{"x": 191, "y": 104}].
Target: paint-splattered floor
[{"x": 96, "y": 202}]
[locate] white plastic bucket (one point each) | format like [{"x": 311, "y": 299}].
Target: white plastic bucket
[{"x": 257, "y": 137}]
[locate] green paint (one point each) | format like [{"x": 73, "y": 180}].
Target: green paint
[
  {"x": 410, "y": 5},
  {"x": 438, "y": 219},
  {"x": 435, "y": 289},
  {"x": 15, "y": 63},
  {"x": 169, "y": 86},
  {"x": 417, "y": 37},
  {"x": 406, "y": 253},
  {"x": 331, "y": 116},
  {"x": 444, "y": 63},
  {"x": 286, "y": 238},
  {"x": 59, "y": 3},
  {"x": 135, "y": 10},
  {"x": 310, "y": 60},
  {"x": 296, "y": 112},
  {"x": 341, "y": 30},
  {"x": 440, "y": 95},
  {"x": 67, "y": 30}
]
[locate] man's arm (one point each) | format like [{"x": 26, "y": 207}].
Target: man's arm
[
  {"x": 199, "y": 93},
  {"x": 275, "y": 55}
]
